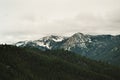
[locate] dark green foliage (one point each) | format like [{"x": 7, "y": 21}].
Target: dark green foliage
[{"x": 33, "y": 64}]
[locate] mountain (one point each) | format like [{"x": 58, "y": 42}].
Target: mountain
[
  {"x": 77, "y": 43},
  {"x": 17, "y": 63},
  {"x": 97, "y": 47},
  {"x": 45, "y": 43}
]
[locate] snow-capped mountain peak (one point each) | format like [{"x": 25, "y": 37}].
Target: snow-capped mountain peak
[
  {"x": 46, "y": 42},
  {"x": 52, "y": 38},
  {"x": 77, "y": 40}
]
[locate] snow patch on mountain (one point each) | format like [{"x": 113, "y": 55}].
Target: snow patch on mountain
[
  {"x": 47, "y": 45},
  {"x": 59, "y": 39},
  {"x": 53, "y": 38},
  {"x": 21, "y": 43}
]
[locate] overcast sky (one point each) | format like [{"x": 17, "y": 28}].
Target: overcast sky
[{"x": 32, "y": 19}]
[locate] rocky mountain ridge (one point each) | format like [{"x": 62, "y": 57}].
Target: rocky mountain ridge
[{"x": 98, "y": 47}]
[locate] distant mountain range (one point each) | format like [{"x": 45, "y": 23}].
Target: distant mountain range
[{"x": 97, "y": 47}]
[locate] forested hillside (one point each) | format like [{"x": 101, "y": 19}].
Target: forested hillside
[{"x": 32, "y": 64}]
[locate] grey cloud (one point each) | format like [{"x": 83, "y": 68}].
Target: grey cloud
[{"x": 23, "y": 19}]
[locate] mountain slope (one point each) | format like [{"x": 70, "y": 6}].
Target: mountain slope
[
  {"x": 33, "y": 64},
  {"x": 45, "y": 43},
  {"x": 97, "y": 47}
]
